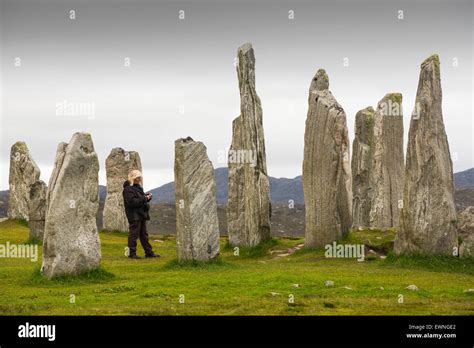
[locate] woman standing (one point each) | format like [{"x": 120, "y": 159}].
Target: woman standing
[{"x": 136, "y": 209}]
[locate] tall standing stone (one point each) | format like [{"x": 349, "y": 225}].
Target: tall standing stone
[
  {"x": 326, "y": 171},
  {"x": 387, "y": 162},
  {"x": 117, "y": 165},
  {"x": 197, "y": 226},
  {"x": 37, "y": 210},
  {"x": 249, "y": 207},
  {"x": 428, "y": 217},
  {"x": 71, "y": 241},
  {"x": 23, "y": 174},
  {"x": 361, "y": 165}
]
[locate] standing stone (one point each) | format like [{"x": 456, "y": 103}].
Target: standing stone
[
  {"x": 197, "y": 227},
  {"x": 387, "y": 162},
  {"x": 361, "y": 165},
  {"x": 428, "y": 217},
  {"x": 326, "y": 171},
  {"x": 117, "y": 166},
  {"x": 71, "y": 242},
  {"x": 249, "y": 207},
  {"x": 23, "y": 174},
  {"x": 37, "y": 210},
  {"x": 465, "y": 226}
]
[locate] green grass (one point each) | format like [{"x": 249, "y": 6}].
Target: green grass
[{"x": 257, "y": 282}]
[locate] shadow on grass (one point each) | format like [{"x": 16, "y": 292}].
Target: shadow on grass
[
  {"x": 34, "y": 241},
  {"x": 98, "y": 275},
  {"x": 378, "y": 240},
  {"x": 439, "y": 263},
  {"x": 116, "y": 233},
  {"x": 21, "y": 222},
  {"x": 255, "y": 252},
  {"x": 175, "y": 264}
]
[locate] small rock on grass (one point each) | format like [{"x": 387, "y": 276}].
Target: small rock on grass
[
  {"x": 329, "y": 283},
  {"x": 412, "y": 287}
]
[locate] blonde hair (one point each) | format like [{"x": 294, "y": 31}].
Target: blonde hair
[{"x": 133, "y": 174}]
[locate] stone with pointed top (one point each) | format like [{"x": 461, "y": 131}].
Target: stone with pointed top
[
  {"x": 428, "y": 217},
  {"x": 320, "y": 81},
  {"x": 249, "y": 207}
]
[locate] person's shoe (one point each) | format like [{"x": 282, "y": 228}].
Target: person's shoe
[
  {"x": 135, "y": 257},
  {"x": 152, "y": 255}
]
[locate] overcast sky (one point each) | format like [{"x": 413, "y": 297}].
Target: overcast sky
[{"x": 150, "y": 77}]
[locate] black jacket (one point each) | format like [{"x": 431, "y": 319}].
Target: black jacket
[{"x": 136, "y": 205}]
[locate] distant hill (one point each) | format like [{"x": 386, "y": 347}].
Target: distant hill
[
  {"x": 281, "y": 189},
  {"x": 463, "y": 198},
  {"x": 464, "y": 179},
  {"x": 102, "y": 192}
]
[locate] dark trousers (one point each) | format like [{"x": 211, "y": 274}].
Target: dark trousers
[{"x": 137, "y": 229}]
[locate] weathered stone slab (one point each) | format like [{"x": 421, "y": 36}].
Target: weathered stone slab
[
  {"x": 197, "y": 226},
  {"x": 117, "y": 165},
  {"x": 361, "y": 165},
  {"x": 37, "y": 209},
  {"x": 71, "y": 241},
  {"x": 387, "y": 162},
  {"x": 23, "y": 174},
  {"x": 465, "y": 226},
  {"x": 326, "y": 171}
]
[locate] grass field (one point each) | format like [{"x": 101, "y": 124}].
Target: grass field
[{"x": 257, "y": 282}]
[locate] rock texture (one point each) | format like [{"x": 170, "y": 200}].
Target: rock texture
[
  {"x": 465, "y": 227},
  {"x": 427, "y": 222},
  {"x": 361, "y": 165},
  {"x": 117, "y": 165},
  {"x": 326, "y": 171},
  {"x": 249, "y": 207},
  {"x": 23, "y": 174},
  {"x": 320, "y": 82},
  {"x": 197, "y": 227},
  {"x": 37, "y": 209},
  {"x": 387, "y": 162},
  {"x": 71, "y": 241}
]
